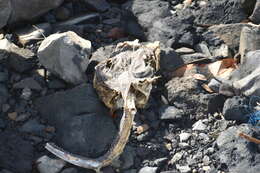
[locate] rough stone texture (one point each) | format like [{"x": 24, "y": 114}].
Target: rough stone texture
[
  {"x": 15, "y": 154},
  {"x": 159, "y": 25},
  {"x": 221, "y": 12},
  {"x": 18, "y": 59},
  {"x": 48, "y": 165},
  {"x": 5, "y": 6},
  {"x": 249, "y": 41},
  {"x": 31, "y": 9},
  {"x": 255, "y": 17},
  {"x": 169, "y": 60},
  {"x": 236, "y": 108},
  {"x": 185, "y": 94},
  {"x": 246, "y": 78},
  {"x": 66, "y": 55},
  {"x": 229, "y": 33},
  {"x": 236, "y": 153},
  {"x": 78, "y": 115},
  {"x": 99, "y": 5}
]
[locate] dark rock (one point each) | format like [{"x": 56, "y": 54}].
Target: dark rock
[
  {"x": 159, "y": 25},
  {"x": 185, "y": 93},
  {"x": 33, "y": 127},
  {"x": 6, "y": 9},
  {"x": 48, "y": 165},
  {"x": 169, "y": 60},
  {"x": 215, "y": 103},
  {"x": 28, "y": 83},
  {"x": 3, "y": 94},
  {"x": 255, "y": 17},
  {"x": 131, "y": 26},
  {"x": 78, "y": 114},
  {"x": 170, "y": 113},
  {"x": 249, "y": 41},
  {"x": 17, "y": 58},
  {"x": 221, "y": 12},
  {"x": 16, "y": 154},
  {"x": 99, "y": 5},
  {"x": 34, "y": 8},
  {"x": 128, "y": 158},
  {"x": 236, "y": 108},
  {"x": 236, "y": 153},
  {"x": 62, "y": 13},
  {"x": 70, "y": 170}
]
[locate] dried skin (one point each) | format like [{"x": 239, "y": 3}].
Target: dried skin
[{"x": 122, "y": 81}]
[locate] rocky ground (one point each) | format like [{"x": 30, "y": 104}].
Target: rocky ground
[{"x": 48, "y": 51}]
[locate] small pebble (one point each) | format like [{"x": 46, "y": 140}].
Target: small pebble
[
  {"x": 12, "y": 115},
  {"x": 184, "y": 137}
]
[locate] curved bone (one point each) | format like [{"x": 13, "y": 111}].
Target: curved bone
[{"x": 116, "y": 147}]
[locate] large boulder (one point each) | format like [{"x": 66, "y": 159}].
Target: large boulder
[
  {"x": 66, "y": 55},
  {"x": 79, "y": 116}
]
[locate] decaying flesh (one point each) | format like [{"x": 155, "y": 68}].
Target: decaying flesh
[{"x": 122, "y": 81}]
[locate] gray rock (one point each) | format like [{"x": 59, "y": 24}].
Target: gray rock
[
  {"x": 5, "y": 171},
  {"x": 5, "y": 6},
  {"x": 17, "y": 58},
  {"x": 99, "y": 5},
  {"x": 249, "y": 41},
  {"x": 255, "y": 17},
  {"x": 4, "y": 94},
  {"x": 170, "y": 113},
  {"x": 148, "y": 170},
  {"x": 16, "y": 154},
  {"x": 237, "y": 153},
  {"x": 189, "y": 58},
  {"x": 78, "y": 114},
  {"x": 199, "y": 126},
  {"x": 246, "y": 78},
  {"x": 28, "y": 83},
  {"x": 99, "y": 55},
  {"x": 130, "y": 171},
  {"x": 221, "y": 12},
  {"x": 33, "y": 127},
  {"x": 66, "y": 55},
  {"x": 70, "y": 170},
  {"x": 31, "y": 9},
  {"x": 185, "y": 93},
  {"x": 203, "y": 48},
  {"x": 236, "y": 108},
  {"x": 48, "y": 165},
  {"x": 127, "y": 158},
  {"x": 170, "y": 60},
  {"x": 155, "y": 18},
  {"x": 229, "y": 33},
  {"x": 214, "y": 85}
]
